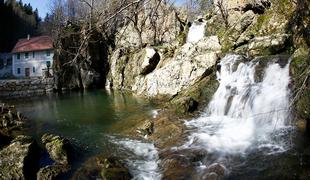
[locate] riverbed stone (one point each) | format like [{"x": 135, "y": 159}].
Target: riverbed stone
[
  {"x": 147, "y": 128},
  {"x": 101, "y": 167},
  {"x": 57, "y": 147},
  {"x": 19, "y": 160},
  {"x": 181, "y": 163},
  {"x": 215, "y": 171}
]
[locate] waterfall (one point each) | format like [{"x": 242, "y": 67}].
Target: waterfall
[
  {"x": 196, "y": 32},
  {"x": 246, "y": 112}
]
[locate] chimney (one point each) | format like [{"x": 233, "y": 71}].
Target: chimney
[{"x": 28, "y": 36}]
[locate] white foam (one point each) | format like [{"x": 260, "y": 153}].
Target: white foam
[
  {"x": 144, "y": 165},
  {"x": 243, "y": 113}
]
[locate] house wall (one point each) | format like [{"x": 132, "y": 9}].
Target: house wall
[{"x": 38, "y": 62}]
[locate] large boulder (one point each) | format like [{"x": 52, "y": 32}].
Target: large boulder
[
  {"x": 100, "y": 167},
  {"x": 126, "y": 65},
  {"x": 58, "y": 148},
  {"x": 187, "y": 67},
  {"x": 19, "y": 160},
  {"x": 267, "y": 45}
]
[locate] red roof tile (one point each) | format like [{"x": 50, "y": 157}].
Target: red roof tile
[{"x": 33, "y": 44}]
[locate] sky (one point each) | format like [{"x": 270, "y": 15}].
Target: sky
[{"x": 42, "y": 6}]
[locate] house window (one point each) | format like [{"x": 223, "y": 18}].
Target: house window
[
  {"x": 18, "y": 70},
  {"x": 33, "y": 69},
  {"x": 26, "y": 55},
  {"x": 18, "y": 56},
  {"x": 33, "y": 54},
  {"x": 48, "y": 53},
  {"x": 48, "y": 64}
]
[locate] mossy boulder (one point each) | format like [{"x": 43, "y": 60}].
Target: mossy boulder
[
  {"x": 58, "y": 148},
  {"x": 20, "y": 159},
  {"x": 52, "y": 172}
]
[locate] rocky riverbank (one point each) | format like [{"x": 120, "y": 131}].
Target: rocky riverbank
[{"x": 22, "y": 157}]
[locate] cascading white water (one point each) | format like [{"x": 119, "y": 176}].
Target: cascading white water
[
  {"x": 244, "y": 113},
  {"x": 144, "y": 164},
  {"x": 196, "y": 32}
]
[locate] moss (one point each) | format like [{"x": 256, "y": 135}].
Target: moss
[
  {"x": 196, "y": 97},
  {"x": 299, "y": 65},
  {"x": 183, "y": 36}
]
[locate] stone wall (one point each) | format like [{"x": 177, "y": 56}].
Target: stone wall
[{"x": 25, "y": 87}]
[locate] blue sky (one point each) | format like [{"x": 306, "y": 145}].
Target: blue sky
[{"x": 42, "y": 6}]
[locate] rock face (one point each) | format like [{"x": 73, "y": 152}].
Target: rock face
[
  {"x": 19, "y": 160},
  {"x": 164, "y": 30},
  {"x": 268, "y": 44},
  {"x": 58, "y": 148},
  {"x": 83, "y": 67},
  {"x": 100, "y": 167},
  {"x": 258, "y": 6},
  {"x": 173, "y": 74},
  {"x": 257, "y": 27}
]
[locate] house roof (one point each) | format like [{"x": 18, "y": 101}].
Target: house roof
[{"x": 33, "y": 44}]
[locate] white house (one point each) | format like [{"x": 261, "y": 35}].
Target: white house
[{"x": 33, "y": 57}]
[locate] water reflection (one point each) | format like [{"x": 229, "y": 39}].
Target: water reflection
[{"x": 85, "y": 117}]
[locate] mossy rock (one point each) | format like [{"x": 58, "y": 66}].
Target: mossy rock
[
  {"x": 299, "y": 66},
  {"x": 52, "y": 172},
  {"x": 58, "y": 148},
  {"x": 197, "y": 96}
]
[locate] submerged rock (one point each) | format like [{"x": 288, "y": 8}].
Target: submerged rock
[
  {"x": 52, "y": 172},
  {"x": 181, "y": 163},
  {"x": 19, "y": 160},
  {"x": 215, "y": 171},
  {"x": 58, "y": 148},
  {"x": 100, "y": 167},
  {"x": 147, "y": 128}
]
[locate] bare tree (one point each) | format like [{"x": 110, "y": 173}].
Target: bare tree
[{"x": 223, "y": 10}]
